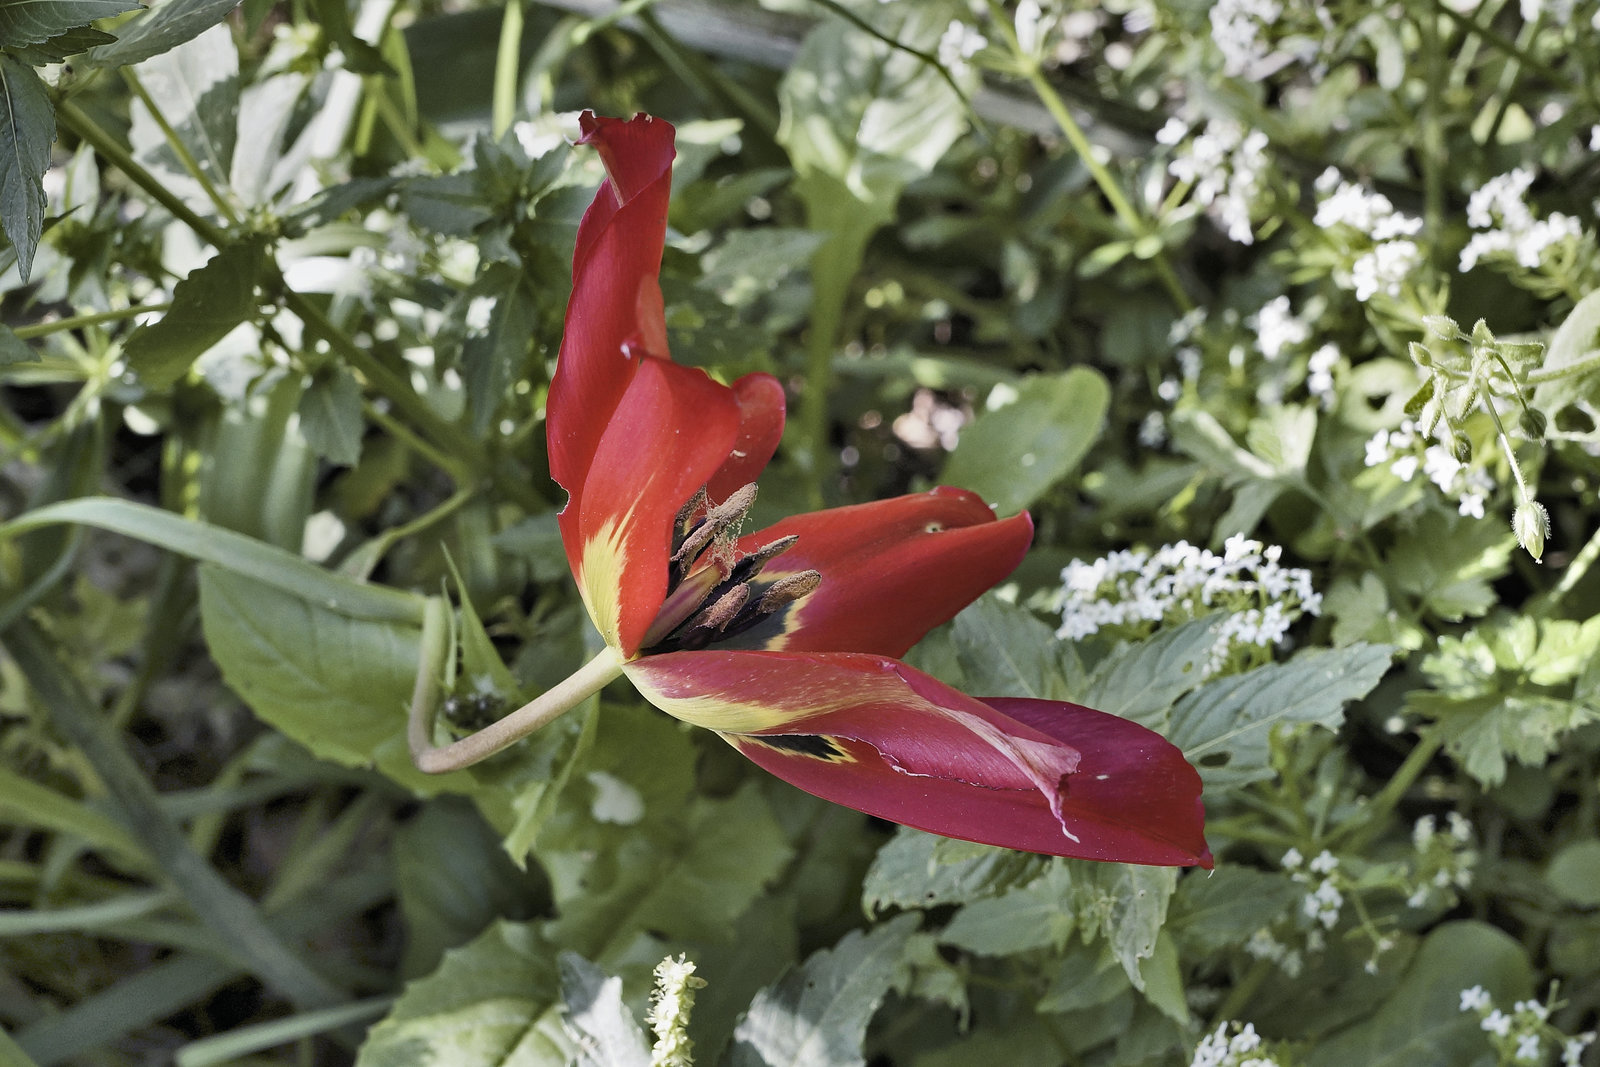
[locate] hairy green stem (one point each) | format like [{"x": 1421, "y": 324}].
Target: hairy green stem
[
  {"x": 1582, "y": 365},
  {"x": 540, "y": 711},
  {"x": 226, "y": 911}
]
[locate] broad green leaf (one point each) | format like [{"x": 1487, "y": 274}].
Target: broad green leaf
[
  {"x": 1037, "y": 915},
  {"x": 1225, "y": 726},
  {"x": 492, "y": 1003},
  {"x": 1485, "y": 732},
  {"x": 1163, "y": 980},
  {"x": 14, "y": 349},
  {"x": 920, "y": 870},
  {"x": 1012, "y": 455},
  {"x": 1197, "y": 433},
  {"x": 25, "y": 22},
  {"x": 1574, "y": 873},
  {"x": 817, "y": 1014},
  {"x": 1005, "y": 651},
  {"x": 1282, "y": 438},
  {"x": 1225, "y": 907},
  {"x": 166, "y": 25},
  {"x": 27, "y": 127},
  {"x": 195, "y": 90},
  {"x": 748, "y": 263},
  {"x": 1141, "y": 680},
  {"x": 257, "y": 475},
  {"x": 601, "y": 1025},
  {"x": 1448, "y": 561},
  {"x": 206, "y": 305},
  {"x": 1421, "y": 1023},
  {"x": 244, "y": 556},
  {"x": 330, "y": 416}
]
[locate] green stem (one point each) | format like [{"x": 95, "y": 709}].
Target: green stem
[
  {"x": 1243, "y": 990},
  {"x": 507, "y": 67},
  {"x": 1582, "y": 365},
  {"x": 227, "y": 912},
  {"x": 1574, "y": 574},
  {"x": 76, "y": 322},
  {"x": 1136, "y": 224},
  {"x": 1388, "y": 798},
  {"x": 180, "y": 149},
  {"x": 543, "y": 709}
]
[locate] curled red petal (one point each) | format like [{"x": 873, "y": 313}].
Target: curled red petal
[
  {"x": 878, "y": 736},
  {"x": 891, "y": 570},
  {"x": 672, "y": 427},
  {"x": 616, "y": 294},
  {"x": 761, "y": 412}
]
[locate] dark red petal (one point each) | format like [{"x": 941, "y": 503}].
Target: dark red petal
[
  {"x": 616, "y": 297},
  {"x": 761, "y": 411},
  {"x": 1131, "y": 780},
  {"x": 881, "y": 737},
  {"x": 671, "y": 429},
  {"x": 891, "y": 570}
]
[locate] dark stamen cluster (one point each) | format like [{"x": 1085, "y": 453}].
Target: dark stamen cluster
[{"x": 713, "y": 593}]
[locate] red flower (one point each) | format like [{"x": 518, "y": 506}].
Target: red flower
[{"x": 784, "y": 641}]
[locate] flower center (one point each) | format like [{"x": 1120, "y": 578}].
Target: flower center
[{"x": 714, "y": 592}]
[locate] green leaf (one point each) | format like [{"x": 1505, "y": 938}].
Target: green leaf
[
  {"x": 195, "y": 89},
  {"x": 1282, "y": 438},
  {"x": 330, "y": 416},
  {"x": 1005, "y": 651},
  {"x": 1577, "y": 338},
  {"x": 492, "y": 1003},
  {"x": 1225, "y": 907},
  {"x": 919, "y": 870},
  {"x": 601, "y": 1025},
  {"x": 62, "y": 45},
  {"x": 1483, "y": 732},
  {"x": 24, "y": 802},
  {"x": 1448, "y": 561},
  {"x": 206, "y": 306},
  {"x": 1421, "y": 1023},
  {"x": 1036, "y": 915},
  {"x": 166, "y": 25},
  {"x": 25, "y": 22},
  {"x": 1225, "y": 726},
  {"x": 1013, "y": 454},
  {"x": 1142, "y": 680},
  {"x": 14, "y": 349},
  {"x": 817, "y": 1015},
  {"x": 1574, "y": 874},
  {"x": 27, "y": 127}
]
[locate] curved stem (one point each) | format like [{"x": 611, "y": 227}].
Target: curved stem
[
  {"x": 507, "y": 70},
  {"x": 541, "y": 710},
  {"x": 74, "y": 322}
]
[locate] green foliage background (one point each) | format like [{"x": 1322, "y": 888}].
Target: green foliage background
[{"x": 282, "y": 288}]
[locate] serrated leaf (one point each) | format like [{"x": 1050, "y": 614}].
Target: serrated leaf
[
  {"x": 62, "y": 45},
  {"x": 1036, "y": 915},
  {"x": 206, "y": 305},
  {"x": 1282, "y": 437},
  {"x": 14, "y": 349},
  {"x": 1013, "y": 455},
  {"x": 1485, "y": 732},
  {"x": 1421, "y": 1023},
  {"x": 1225, "y": 907},
  {"x": 1449, "y": 561},
  {"x": 817, "y": 1015},
  {"x": 491, "y": 1003},
  {"x": 165, "y": 26},
  {"x": 1225, "y": 726},
  {"x": 918, "y": 870},
  {"x": 27, "y": 127},
  {"x": 601, "y": 1025},
  {"x": 25, "y": 22},
  {"x": 330, "y": 416}
]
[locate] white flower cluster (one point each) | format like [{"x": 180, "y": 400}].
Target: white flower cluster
[
  {"x": 1399, "y": 449},
  {"x": 1226, "y": 164},
  {"x": 670, "y": 1005},
  {"x": 1236, "y": 28},
  {"x": 1323, "y": 903},
  {"x": 959, "y": 44},
  {"x": 1264, "y": 946},
  {"x": 1384, "y": 267},
  {"x": 1444, "y": 859},
  {"x": 1277, "y": 328},
  {"x": 1511, "y": 231},
  {"x": 1232, "y": 1045},
  {"x": 1319, "y": 374},
  {"x": 1134, "y": 591},
  {"x": 1522, "y": 1032}
]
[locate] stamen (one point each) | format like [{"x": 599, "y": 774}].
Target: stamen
[
  {"x": 787, "y": 590},
  {"x": 726, "y": 515},
  {"x": 724, "y": 610},
  {"x": 685, "y": 520},
  {"x": 683, "y": 601},
  {"x": 751, "y": 565}
]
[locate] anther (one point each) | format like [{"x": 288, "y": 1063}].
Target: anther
[
  {"x": 725, "y": 516},
  {"x": 686, "y": 514},
  {"x": 787, "y": 590},
  {"x": 724, "y": 610}
]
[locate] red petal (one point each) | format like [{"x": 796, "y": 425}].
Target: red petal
[
  {"x": 616, "y": 297},
  {"x": 906, "y": 747},
  {"x": 671, "y": 429},
  {"x": 761, "y": 410},
  {"x": 891, "y": 570}
]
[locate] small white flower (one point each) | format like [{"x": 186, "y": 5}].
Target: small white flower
[
  {"x": 1325, "y": 862},
  {"x": 1528, "y": 1048},
  {"x": 1496, "y": 1022},
  {"x": 959, "y": 44},
  {"x": 1475, "y": 999},
  {"x": 1292, "y": 859}
]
